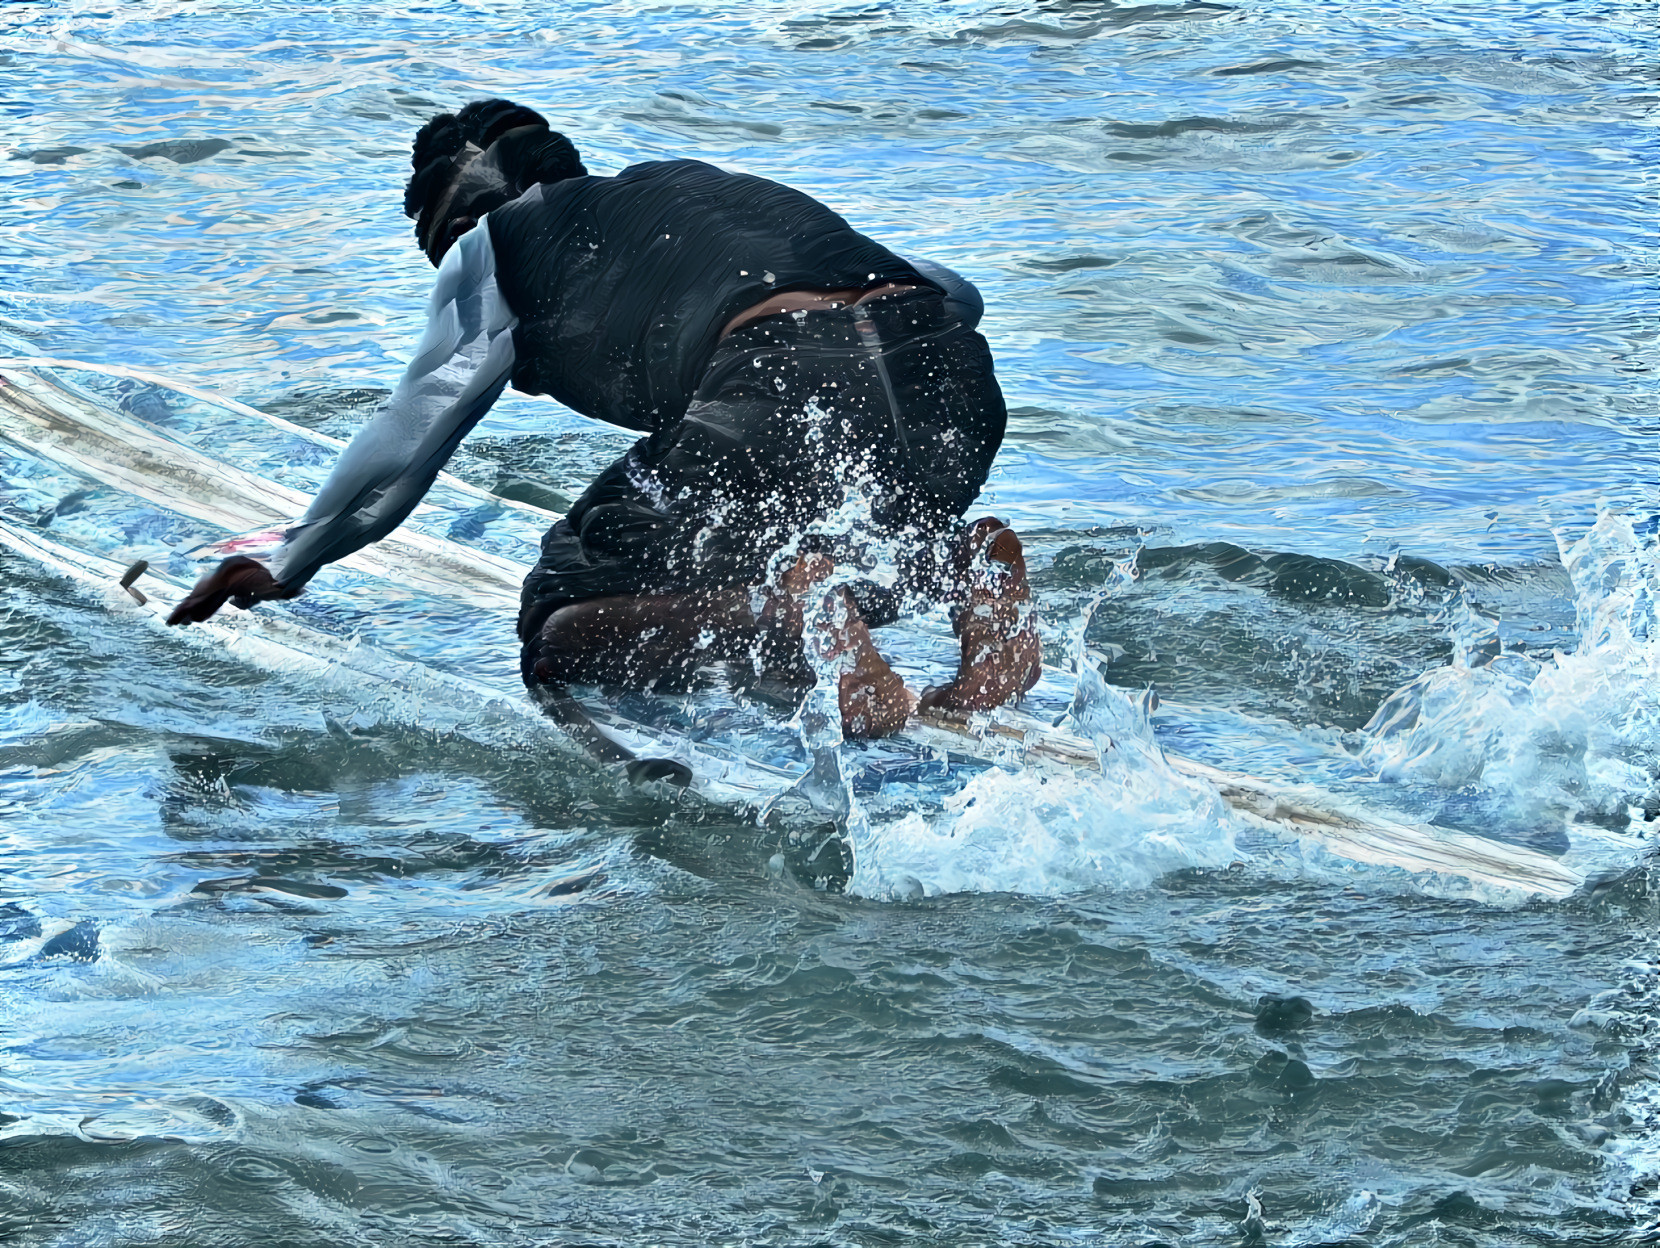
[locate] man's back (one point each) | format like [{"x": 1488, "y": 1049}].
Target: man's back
[{"x": 623, "y": 284}]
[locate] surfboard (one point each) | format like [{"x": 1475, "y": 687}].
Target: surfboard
[{"x": 730, "y": 749}]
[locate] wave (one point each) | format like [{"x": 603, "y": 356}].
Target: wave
[{"x": 1574, "y": 736}]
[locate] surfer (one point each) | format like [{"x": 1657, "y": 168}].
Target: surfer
[{"x": 786, "y": 372}]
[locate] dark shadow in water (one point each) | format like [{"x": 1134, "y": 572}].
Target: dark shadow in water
[
  {"x": 1298, "y": 637},
  {"x": 1113, "y": 16},
  {"x": 179, "y": 151},
  {"x": 210, "y": 800}
]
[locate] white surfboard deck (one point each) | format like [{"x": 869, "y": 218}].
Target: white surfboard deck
[{"x": 56, "y": 422}]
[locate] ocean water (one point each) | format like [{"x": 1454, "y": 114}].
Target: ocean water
[{"x": 1327, "y": 339}]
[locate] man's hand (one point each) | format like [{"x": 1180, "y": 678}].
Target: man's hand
[{"x": 238, "y": 579}]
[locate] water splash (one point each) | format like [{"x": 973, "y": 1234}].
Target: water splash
[
  {"x": 828, "y": 786},
  {"x": 819, "y": 720},
  {"x": 1047, "y": 831},
  {"x": 1575, "y": 735}
]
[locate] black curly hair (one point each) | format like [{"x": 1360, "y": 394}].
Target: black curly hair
[{"x": 518, "y": 151}]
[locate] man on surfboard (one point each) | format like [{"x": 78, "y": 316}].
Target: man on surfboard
[{"x": 810, "y": 401}]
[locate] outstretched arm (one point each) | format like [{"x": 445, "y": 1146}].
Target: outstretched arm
[{"x": 462, "y": 364}]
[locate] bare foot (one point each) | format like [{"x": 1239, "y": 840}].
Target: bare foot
[
  {"x": 873, "y": 699},
  {"x": 1001, "y": 657}
]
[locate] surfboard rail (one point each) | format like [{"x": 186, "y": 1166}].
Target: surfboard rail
[
  {"x": 31, "y": 364},
  {"x": 1364, "y": 837},
  {"x": 56, "y": 424}
]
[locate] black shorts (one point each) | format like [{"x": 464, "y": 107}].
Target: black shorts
[{"x": 891, "y": 403}]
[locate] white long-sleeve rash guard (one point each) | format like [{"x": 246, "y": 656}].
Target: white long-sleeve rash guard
[{"x": 463, "y": 363}]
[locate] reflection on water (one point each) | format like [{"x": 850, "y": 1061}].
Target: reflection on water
[{"x": 1320, "y": 330}]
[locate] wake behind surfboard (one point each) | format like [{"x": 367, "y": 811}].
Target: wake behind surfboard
[{"x": 899, "y": 799}]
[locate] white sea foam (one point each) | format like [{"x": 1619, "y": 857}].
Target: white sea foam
[
  {"x": 1050, "y": 831},
  {"x": 1575, "y": 735}
]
